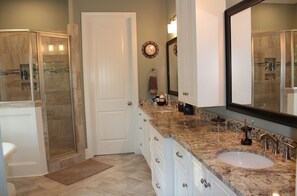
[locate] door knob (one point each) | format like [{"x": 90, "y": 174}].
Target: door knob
[{"x": 129, "y": 103}]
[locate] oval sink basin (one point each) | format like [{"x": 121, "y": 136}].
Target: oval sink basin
[{"x": 245, "y": 160}]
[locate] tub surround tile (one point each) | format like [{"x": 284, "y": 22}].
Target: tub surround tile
[{"x": 198, "y": 136}]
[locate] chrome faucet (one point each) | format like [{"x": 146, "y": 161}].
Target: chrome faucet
[
  {"x": 266, "y": 137},
  {"x": 287, "y": 148}
]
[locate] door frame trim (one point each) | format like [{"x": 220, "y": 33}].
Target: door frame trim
[{"x": 91, "y": 143}]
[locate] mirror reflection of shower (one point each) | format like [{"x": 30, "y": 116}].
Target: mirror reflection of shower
[{"x": 275, "y": 71}]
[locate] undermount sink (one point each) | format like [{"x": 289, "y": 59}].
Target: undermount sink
[{"x": 248, "y": 160}]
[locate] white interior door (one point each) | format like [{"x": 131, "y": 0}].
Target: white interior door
[{"x": 110, "y": 81}]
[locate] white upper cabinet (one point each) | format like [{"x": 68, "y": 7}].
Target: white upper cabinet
[{"x": 201, "y": 57}]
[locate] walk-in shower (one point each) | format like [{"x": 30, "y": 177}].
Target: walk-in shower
[
  {"x": 275, "y": 70},
  {"x": 35, "y": 68}
]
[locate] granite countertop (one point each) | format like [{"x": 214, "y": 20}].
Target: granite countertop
[{"x": 204, "y": 143}]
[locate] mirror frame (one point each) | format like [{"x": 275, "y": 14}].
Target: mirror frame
[
  {"x": 170, "y": 42},
  {"x": 281, "y": 118}
]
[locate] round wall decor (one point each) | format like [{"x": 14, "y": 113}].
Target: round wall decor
[{"x": 150, "y": 49}]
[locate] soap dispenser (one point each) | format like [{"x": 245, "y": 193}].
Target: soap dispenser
[{"x": 246, "y": 140}]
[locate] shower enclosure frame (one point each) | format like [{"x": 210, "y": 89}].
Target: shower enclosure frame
[
  {"x": 40, "y": 34},
  {"x": 30, "y": 63},
  {"x": 41, "y": 84}
]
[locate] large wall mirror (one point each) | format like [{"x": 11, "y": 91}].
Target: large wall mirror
[
  {"x": 261, "y": 57},
  {"x": 172, "y": 79}
]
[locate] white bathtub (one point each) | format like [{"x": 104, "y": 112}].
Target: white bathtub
[{"x": 8, "y": 150}]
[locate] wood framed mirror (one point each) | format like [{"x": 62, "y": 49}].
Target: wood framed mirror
[
  {"x": 261, "y": 60},
  {"x": 172, "y": 78}
]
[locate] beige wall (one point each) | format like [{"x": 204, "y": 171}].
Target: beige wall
[
  {"x": 230, "y": 3},
  {"x": 170, "y": 12},
  {"x": 272, "y": 17},
  {"x": 151, "y": 26},
  {"x": 46, "y": 15}
]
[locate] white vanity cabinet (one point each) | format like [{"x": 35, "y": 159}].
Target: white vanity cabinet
[
  {"x": 182, "y": 170},
  {"x": 200, "y": 40},
  {"x": 144, "y": 135},
  {"x": 161, "y": 163},
  {"x": 205, "y": 183}
]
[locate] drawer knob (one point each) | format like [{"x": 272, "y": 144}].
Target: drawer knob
[
  {"x": 158, "y": 185},
  {"x": 185, "y": 185},
  {"x": 202, "y": 181},
  {"x": 139, "y": 114},
  {"x": 205, "y": 183},
  {"x": 140, "y": 127},
  {"x": 155, "y": 138},
  {"x": 179, "y": 154},
  {"x": 140, "y": 144},
  {"x": 157, "y": 160},
  {"x": 144, "y": 120}
]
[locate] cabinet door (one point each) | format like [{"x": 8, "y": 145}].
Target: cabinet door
[
  {"x": 146, "y": 142},
  {"x": 181, "y": 181},
  {"x": 140, "y": 132},
  {"x": 218, "y": 187},
  {"x": 201, "y": 52},
  {"x": 186, "y": 42},
  {"x": 200, "y": 179}
]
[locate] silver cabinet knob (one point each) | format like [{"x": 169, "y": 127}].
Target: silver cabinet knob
[
  {"x": 185, "y": 185},
  {"x": 155, "y": 138},
  {"x": 158, "y": 185},
  {"x": 206, "y": 184},
  {"x": 179, "y": 154},
  {"x": 202, "y": 181},
  {"x": 129, "y": 103},
  {"x": 157, "y": 160}
]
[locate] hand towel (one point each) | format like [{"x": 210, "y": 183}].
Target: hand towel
[{"x": 153, "y": 85}]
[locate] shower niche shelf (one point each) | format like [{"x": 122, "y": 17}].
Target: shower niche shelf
[
  {"x": 25, "y": 77},
  {"x": 26, "y": 85}
]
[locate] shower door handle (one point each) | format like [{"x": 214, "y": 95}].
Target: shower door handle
[{"x": 129, "y": 103}]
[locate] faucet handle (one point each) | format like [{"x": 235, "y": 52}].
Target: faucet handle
[
  {"x": 287, "y": 147},
  {"x": 266, "y": 143}
]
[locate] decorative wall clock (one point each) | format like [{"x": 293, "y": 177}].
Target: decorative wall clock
[{"x": 150, "y": 49}]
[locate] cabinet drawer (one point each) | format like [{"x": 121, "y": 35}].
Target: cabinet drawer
[
  {"x": 158, "y": 183},
  {"x": 157, "y": 140},
  {"x": 180, "y": 155},
  {"x": 158, "y": 160},
  {"x": 141, "y": 144}
]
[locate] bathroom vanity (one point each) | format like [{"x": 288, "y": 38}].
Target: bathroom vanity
[{"x": 189, "y": 146}]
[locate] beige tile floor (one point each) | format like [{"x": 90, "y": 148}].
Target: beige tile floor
[{"x": 129, "y": 175}]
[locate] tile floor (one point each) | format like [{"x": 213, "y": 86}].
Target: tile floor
[{"x": 130, "y": 175}]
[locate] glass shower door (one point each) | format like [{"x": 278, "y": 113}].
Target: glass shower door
[{"x": 57, "y": 95}]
